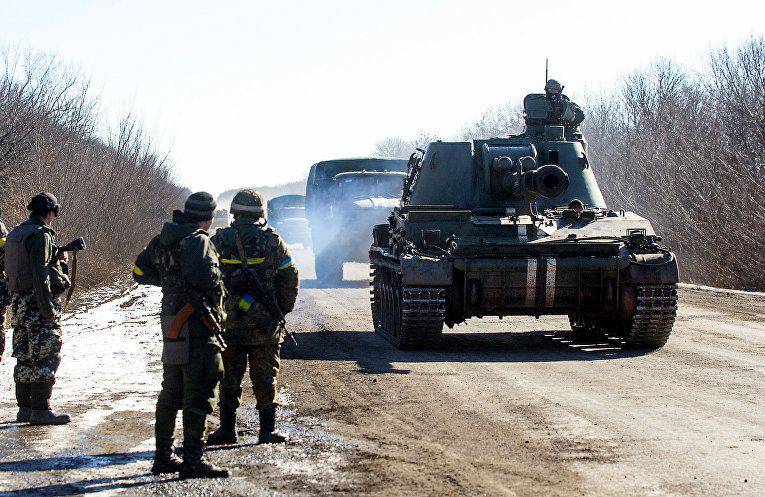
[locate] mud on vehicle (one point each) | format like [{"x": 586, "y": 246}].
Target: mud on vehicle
[
  {"x": 517, "y": 226},
  {"x": 286, "y": 214},
  {"x": 345, "y": 198}
]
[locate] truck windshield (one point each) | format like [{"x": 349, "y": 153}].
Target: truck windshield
[{"x": 370, "y": 186}]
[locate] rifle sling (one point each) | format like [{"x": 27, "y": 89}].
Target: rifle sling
[
  {"x": 240, "y": 249},
  {"x": 70, "y": 292}
]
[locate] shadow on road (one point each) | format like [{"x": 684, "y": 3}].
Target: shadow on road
[
  {"x": 74, "y": 462},
  {"x": 338, "y": 284},
  {"x": 83, "y": 487},
  {"x": 374, "y": 355}
]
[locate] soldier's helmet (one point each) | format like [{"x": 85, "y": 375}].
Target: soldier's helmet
[
  {"x": 249, "y": 202},
  {"x": 553, "y": 87}
]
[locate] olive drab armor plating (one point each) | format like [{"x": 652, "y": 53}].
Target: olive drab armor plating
[{"x": 518, "y": 226}]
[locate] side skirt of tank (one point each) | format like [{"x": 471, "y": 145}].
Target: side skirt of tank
[{"x": 539, "y": 286}]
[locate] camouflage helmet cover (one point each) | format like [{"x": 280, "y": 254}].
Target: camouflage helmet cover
[
  {"x": 247, "y": 201},
  {"x": 553, "y": 87}
]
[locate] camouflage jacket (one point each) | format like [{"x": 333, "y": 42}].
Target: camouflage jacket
[
  {"x": 3, "y": 234},
  {"x": 179, "y": 257},
  {"x": 4, "y": 295},
  {"x": 248, "y": 318}
]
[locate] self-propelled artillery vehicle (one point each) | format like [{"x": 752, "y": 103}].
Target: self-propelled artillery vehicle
[{"x": 518, "y": 226}]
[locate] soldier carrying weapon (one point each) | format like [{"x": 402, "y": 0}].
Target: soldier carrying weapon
[
  {"x": 37, "y": 276},
  {"x": 262, "y": 284},
  {"x": 183, "y": 261}
]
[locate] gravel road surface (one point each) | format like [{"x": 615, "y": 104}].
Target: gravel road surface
[{"x": 506, "y": 407}]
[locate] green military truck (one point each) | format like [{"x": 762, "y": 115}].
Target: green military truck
[
  {"x": 345, "y": 198},
  {"x": 286, "y": 214}
]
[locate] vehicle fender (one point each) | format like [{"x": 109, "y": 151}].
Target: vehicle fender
[
  {"x": 426, "y": 271},
  {"x": 653, "y": 269}
]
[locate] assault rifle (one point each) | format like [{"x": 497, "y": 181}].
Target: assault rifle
[
  {"x": 195, "y": 305},
  {"x": 254, "y": 283},
  {"x": 74, "y": 246}
]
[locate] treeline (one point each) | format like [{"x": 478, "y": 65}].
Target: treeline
[
  {"x": 114, "y": 187},
  {"x": 268, "y": 191},
  {"x": 684, "y": 147}
]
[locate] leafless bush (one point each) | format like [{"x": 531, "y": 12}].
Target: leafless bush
[
  {"x": 402, "y": 148},
  {"x": 502, "y": 120},
  {"x": 115, "y": 191},
  {"x": 687, "y": 151}
]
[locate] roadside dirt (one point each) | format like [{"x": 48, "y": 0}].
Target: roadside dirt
[{"x": 507, "y": 407}]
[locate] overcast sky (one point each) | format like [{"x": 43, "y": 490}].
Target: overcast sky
[{"x": 251, "y": 92}]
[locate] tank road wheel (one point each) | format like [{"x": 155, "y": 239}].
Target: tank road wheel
[
  {"x": 408, "y": 317},
  {"x": 655, "y": 311},
  {"x": 584, "y": 329},
  {"x": 328, "y": 267}
]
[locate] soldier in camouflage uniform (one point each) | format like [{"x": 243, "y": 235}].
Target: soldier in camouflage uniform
[
  {"x": 252, "y": 333},
  {"x": 564, "y": 111},
  {"x": 36, "y": 279},
  {"x": 180, "y": 258},
  {"x": 5, "y": 295}
]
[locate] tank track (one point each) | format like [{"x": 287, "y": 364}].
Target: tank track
[
  {"x": 585, "y": 329},
  {"x": 408, "y": 317},
  {"x": 655, "y": 311}
]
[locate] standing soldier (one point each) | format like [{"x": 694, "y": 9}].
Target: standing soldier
[
  {"x": 183, "y": 262},
  {"x": 251, "y": 250},
  {"x": 4, "y": 293},
  {"x": 36, "y": 280}
]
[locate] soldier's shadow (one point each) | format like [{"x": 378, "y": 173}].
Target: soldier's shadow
[
  {"x": 82, "y": 487},
  {"x": 64, "y": 463},
  {"x": 74, "y": 462},
  {"x": 314, "y": 283}
]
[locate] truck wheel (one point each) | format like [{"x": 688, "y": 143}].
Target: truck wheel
[{"x": 329, "y": 268}]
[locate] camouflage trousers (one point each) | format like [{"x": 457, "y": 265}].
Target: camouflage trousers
[
  {"x": 36, "y": 342},
  {"x": 264, "y": 365},
  {"x": 2, "y": 331}
]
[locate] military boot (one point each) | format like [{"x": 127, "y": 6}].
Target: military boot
[
  {"x": 23, "y": 399},
  {"x": 226, "y": 432},
  {"x": 268, "y": 432},
  {"x": 164, "y": 459},
  {"x": 194, "y": 463},
  {"x": 40, "y": 404}
]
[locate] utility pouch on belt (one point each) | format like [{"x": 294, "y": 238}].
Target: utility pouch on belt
[{"x": 175, "y": 351}]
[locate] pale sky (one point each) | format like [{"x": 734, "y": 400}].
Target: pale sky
[{"x": 252, "y": 92}]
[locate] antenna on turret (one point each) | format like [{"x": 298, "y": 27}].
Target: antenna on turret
[{"x": 546, "y": 67}]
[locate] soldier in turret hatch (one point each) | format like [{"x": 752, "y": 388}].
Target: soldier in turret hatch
[{"x": 563, "y": 111}]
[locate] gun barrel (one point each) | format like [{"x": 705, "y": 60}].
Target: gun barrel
[
  {"x": 548, "y": 181},
  {"x": 74, "y": 246}
]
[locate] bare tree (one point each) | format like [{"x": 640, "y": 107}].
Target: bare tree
[{"x": 114, "y": 190}]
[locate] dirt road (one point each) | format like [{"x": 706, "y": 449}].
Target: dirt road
[{"x": 508, "y": 407}]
